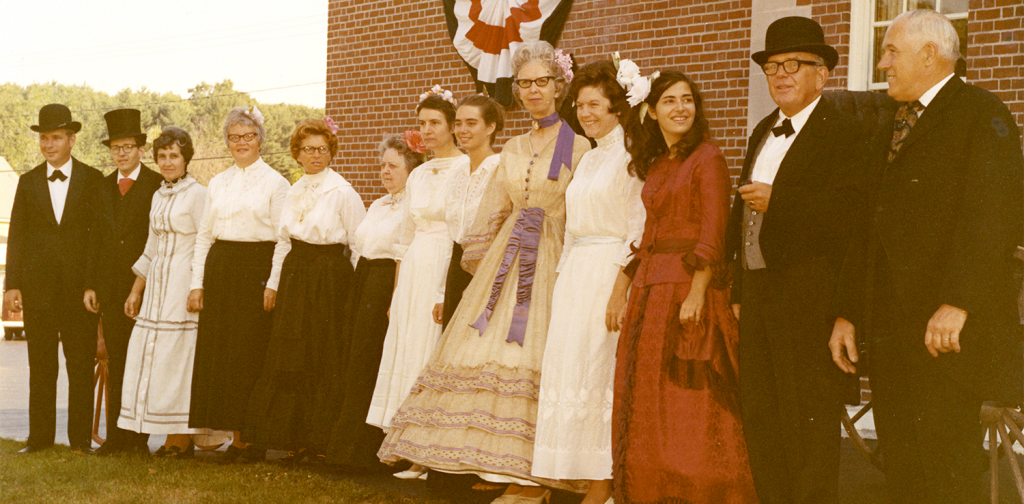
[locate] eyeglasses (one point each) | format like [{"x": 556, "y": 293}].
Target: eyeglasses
[
  {"x": 323, "y": 149},
  {"x": 790, "y": 66},
  {"x": 248, "y": 137},
  {"x": 540, "y": 81},
  {"x": 127, "y": 149}
]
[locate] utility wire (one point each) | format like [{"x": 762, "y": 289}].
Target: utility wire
[{"x": 151, "y": 161}]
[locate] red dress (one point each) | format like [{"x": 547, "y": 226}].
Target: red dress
[{"x": 676, "y": 429}]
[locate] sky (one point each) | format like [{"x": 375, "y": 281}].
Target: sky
[{"x": 169, "y": 46}]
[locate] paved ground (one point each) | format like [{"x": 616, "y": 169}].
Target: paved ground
[{"x": 860, "y": 482}]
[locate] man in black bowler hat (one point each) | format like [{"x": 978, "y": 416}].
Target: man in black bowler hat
[
  {"x": 51, "y": 227},
  {"x": 790, "y": 223},
  {"x": 121, "y": 234}
]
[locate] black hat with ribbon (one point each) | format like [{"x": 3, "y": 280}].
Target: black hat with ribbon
[
  {"x": 124, "y": 123},
  {"x": 796, "y": 34},
  {"x": 54, "y": 117}
]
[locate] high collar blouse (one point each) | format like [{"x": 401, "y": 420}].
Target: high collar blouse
[
  {"x": 426, "y": 196},
  {"x": 387, "y": 230},
  {"x": 244, "y": 205},
  {"x": 322, "y": 209},
  {"x": 462, "y": 193}
]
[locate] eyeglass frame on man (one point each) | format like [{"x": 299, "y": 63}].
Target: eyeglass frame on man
[
  {"x": 530, "y": 82},
  {"x": 783, "y": 64},
  {"x": 125, "y": 149},
  {"x": 248, "y": 137}
]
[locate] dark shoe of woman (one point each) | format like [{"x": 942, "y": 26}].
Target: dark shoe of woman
[
  {"x": 294, "y": 457},
  {"x": 175, "y": 452},
  {"x": 161, "y": 452},
  {"x": 252, "y": 454},
  {"x": 231, "y": 455}
]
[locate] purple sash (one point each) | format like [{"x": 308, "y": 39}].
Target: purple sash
[{"x": 524, "y": 241}]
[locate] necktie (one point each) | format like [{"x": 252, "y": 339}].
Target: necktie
[
  {"x": 906, "y": 117},
  {"x": 124, "y": 184},
  {"x": 57, "y": 175},
  {"x": 785, "y": 129}
]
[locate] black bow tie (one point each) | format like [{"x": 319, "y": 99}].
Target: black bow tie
[
  {"x": 57, "y": 175},
  {"x": 785, "y": 129}
]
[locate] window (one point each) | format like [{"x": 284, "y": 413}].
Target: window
[{"x": 870, "y": 19}]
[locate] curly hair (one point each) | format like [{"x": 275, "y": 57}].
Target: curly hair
[
  {"x": 645, "y": 142},
  {"x": 601, "y": 75},
  {"x": 308, "y": 128},
  {"x": 240, "y": 115},
  {"x": 538, "y": 52},
  {"x": 171, "y": 135},
  {"x": 397, "y": 142},
  {"x": 490, "y": 111}
]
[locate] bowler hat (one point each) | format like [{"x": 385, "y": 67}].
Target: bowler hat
[
  {"x": 124, "y": 123},
  {"x": 796, "y": 34},
  {"x": 53, "y": 117}
]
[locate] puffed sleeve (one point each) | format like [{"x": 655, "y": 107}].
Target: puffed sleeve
[{"x": 495, "y": 207}]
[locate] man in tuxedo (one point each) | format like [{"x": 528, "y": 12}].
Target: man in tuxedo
[
  {"x": 47, "y": 247},
  {"x": 936, "y": 269},
  {"x": 801, "y": 184},
  {"x": 123, "y": 227}
]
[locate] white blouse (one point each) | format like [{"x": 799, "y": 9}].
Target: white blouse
[
  {"x": 243, "y": 205},
  {"x": 462, "y": 193},
  {"x": 322, "y": 209},
  {"x": 426, "y": 193},
  {"x": 387, "y": 230},
  {"x": 602, "y": 202}
]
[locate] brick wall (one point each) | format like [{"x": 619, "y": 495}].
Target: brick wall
[{"x": 995, "y": 51}]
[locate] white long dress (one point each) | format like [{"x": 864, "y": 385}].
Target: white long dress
[
  {"x": 158, "y": 368},
  {"x": 412, "y": 332},
  {"x": 604, "y": 215}
]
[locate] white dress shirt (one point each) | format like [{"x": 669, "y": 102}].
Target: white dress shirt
[
  {"x": 775, "y": 147},
  {"x": 929, "y": 95},
  {"x": 134, "y": 174},
  {"x": 243, "y": 205},
  {"x": 322, "y": 209},
  {"x": 59, "y": 188},
  {"x": 387, "y": 230}
]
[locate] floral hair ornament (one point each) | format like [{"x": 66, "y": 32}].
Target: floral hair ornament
[
  {"x": 637, "y": 87},
  {"x": 564, "y": 63},
  {"x": 330, "y": 125},
  {"x": 153, "y": 134},
  {"x": 414, "y": 140},
  {"x": 443, "y": 93},
  {"x": 256, "y": 115}
]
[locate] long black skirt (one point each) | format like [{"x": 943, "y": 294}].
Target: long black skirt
[
  {"x": 233, "y": 332},
  {"x": 354, "y": 444},
  {"x": 457, "y": 281},
  {"x": 289, "y": 407}
]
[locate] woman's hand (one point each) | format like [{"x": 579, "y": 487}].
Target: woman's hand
[
  {"x": 195, "y": 301},
  {"x": 691, "y": 309},
  {"x": 131, "y": 305},
  {"x": 438, "y": 313},
  {"x": 615, "y": 313},
  {"x": 269, "y": 299}
]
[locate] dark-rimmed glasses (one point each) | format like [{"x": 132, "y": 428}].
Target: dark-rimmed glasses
[
  {"x": 248, "y": 137},
  {"x": 127, "y": 149},
  {"x": 323, "y": 149},
  {"x": 790, "y": 66},
  {"x": 540, "y": 81}
]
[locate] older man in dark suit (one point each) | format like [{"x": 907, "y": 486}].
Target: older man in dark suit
[
  {"x": 788, "y": 232},
  {"x": 937, "y": 269},
  {"x": 122, "y": 230},
  {"x": 47, "y": 247}
]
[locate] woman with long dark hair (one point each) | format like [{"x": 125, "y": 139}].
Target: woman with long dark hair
[{"x": 677, "y": 434}]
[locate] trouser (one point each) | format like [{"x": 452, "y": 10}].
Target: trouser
[
  {"x": 63, "y": 321},
  {"x": 788, "y": 389},
  {"x": 117, "y": 332}
]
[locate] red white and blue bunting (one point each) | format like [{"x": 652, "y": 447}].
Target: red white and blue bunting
[{"x": 487, "y": 32}]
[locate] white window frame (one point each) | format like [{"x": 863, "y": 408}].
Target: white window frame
[{"x": 862, "y": 40}]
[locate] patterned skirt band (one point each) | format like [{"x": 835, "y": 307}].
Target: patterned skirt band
[{"x": 306, "y": 249}]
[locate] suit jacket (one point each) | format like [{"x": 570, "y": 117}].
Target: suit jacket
[
  {"x": 46, "y": 260},
  {"x": 816, "y": 197},
  {"x": 123, "y": 227},
  {"x": 947, "y": 214}
]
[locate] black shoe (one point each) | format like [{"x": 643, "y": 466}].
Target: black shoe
[
  {"x": 110, "y": 448},
  {"x": 294, "y": 457},
  {"x": 33, "y": 449},
  {"x": 177, "y": 453},
  {"x": 161, "y": 452},
  {"x": 252, "y": 454},
  {"x": 83, "y": 450},
  {"x": 231, "y": 455}
]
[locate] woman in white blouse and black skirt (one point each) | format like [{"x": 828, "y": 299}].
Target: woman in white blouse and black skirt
[
  {"x": 478, "y": 119},
  {"x": 235, "y": 273},
  {"x": 380, "y": 241},
  {"x": 289, "y": 407}
]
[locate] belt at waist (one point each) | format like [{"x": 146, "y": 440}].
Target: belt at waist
[
  {"x": 300, "y": 246},
  {"x": 580, "y": 241},
  {"x": 673, "y": 246}
]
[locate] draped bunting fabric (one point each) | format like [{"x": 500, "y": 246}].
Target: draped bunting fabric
[{"x": 487, "y": 32}]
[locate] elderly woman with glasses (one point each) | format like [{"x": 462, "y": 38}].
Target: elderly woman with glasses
[
  {"x": 288, "y": 407},
  {"x": 235, "y": 275},
  {"x": 473, "y": 409}
]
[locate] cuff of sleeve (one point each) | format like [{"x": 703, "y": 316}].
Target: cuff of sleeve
[{"x": 138, "y": 272}]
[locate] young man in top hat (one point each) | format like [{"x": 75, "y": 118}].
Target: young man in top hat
[
  {"x": 122, "y": 230},
  {"x": 49, "y": 240},
  {"x": 788, "y": 230},
  {"x": 941, "y": 317}
]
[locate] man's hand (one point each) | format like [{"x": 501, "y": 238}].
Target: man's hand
[
  {"x": 943, "y": 332},
  {"x": 269, "y": 299},
  {"x": 756, "y": 194},
  {"x": 195, "y": 301},
  {"x": 844, "y": 337},
  {"x": 91, "y": 303},
  {"x": 12, "y": 300}
]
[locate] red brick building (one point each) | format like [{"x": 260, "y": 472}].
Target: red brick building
[{"x": 382, "y": 55}]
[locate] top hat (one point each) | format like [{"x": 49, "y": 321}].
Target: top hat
[
  {"x": 124, "y": 123},
  {"x": 796, "y": 34},
  {"x": 53, "y": 117}
]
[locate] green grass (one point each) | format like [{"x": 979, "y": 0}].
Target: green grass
[{"x": 58, "y": 476}]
